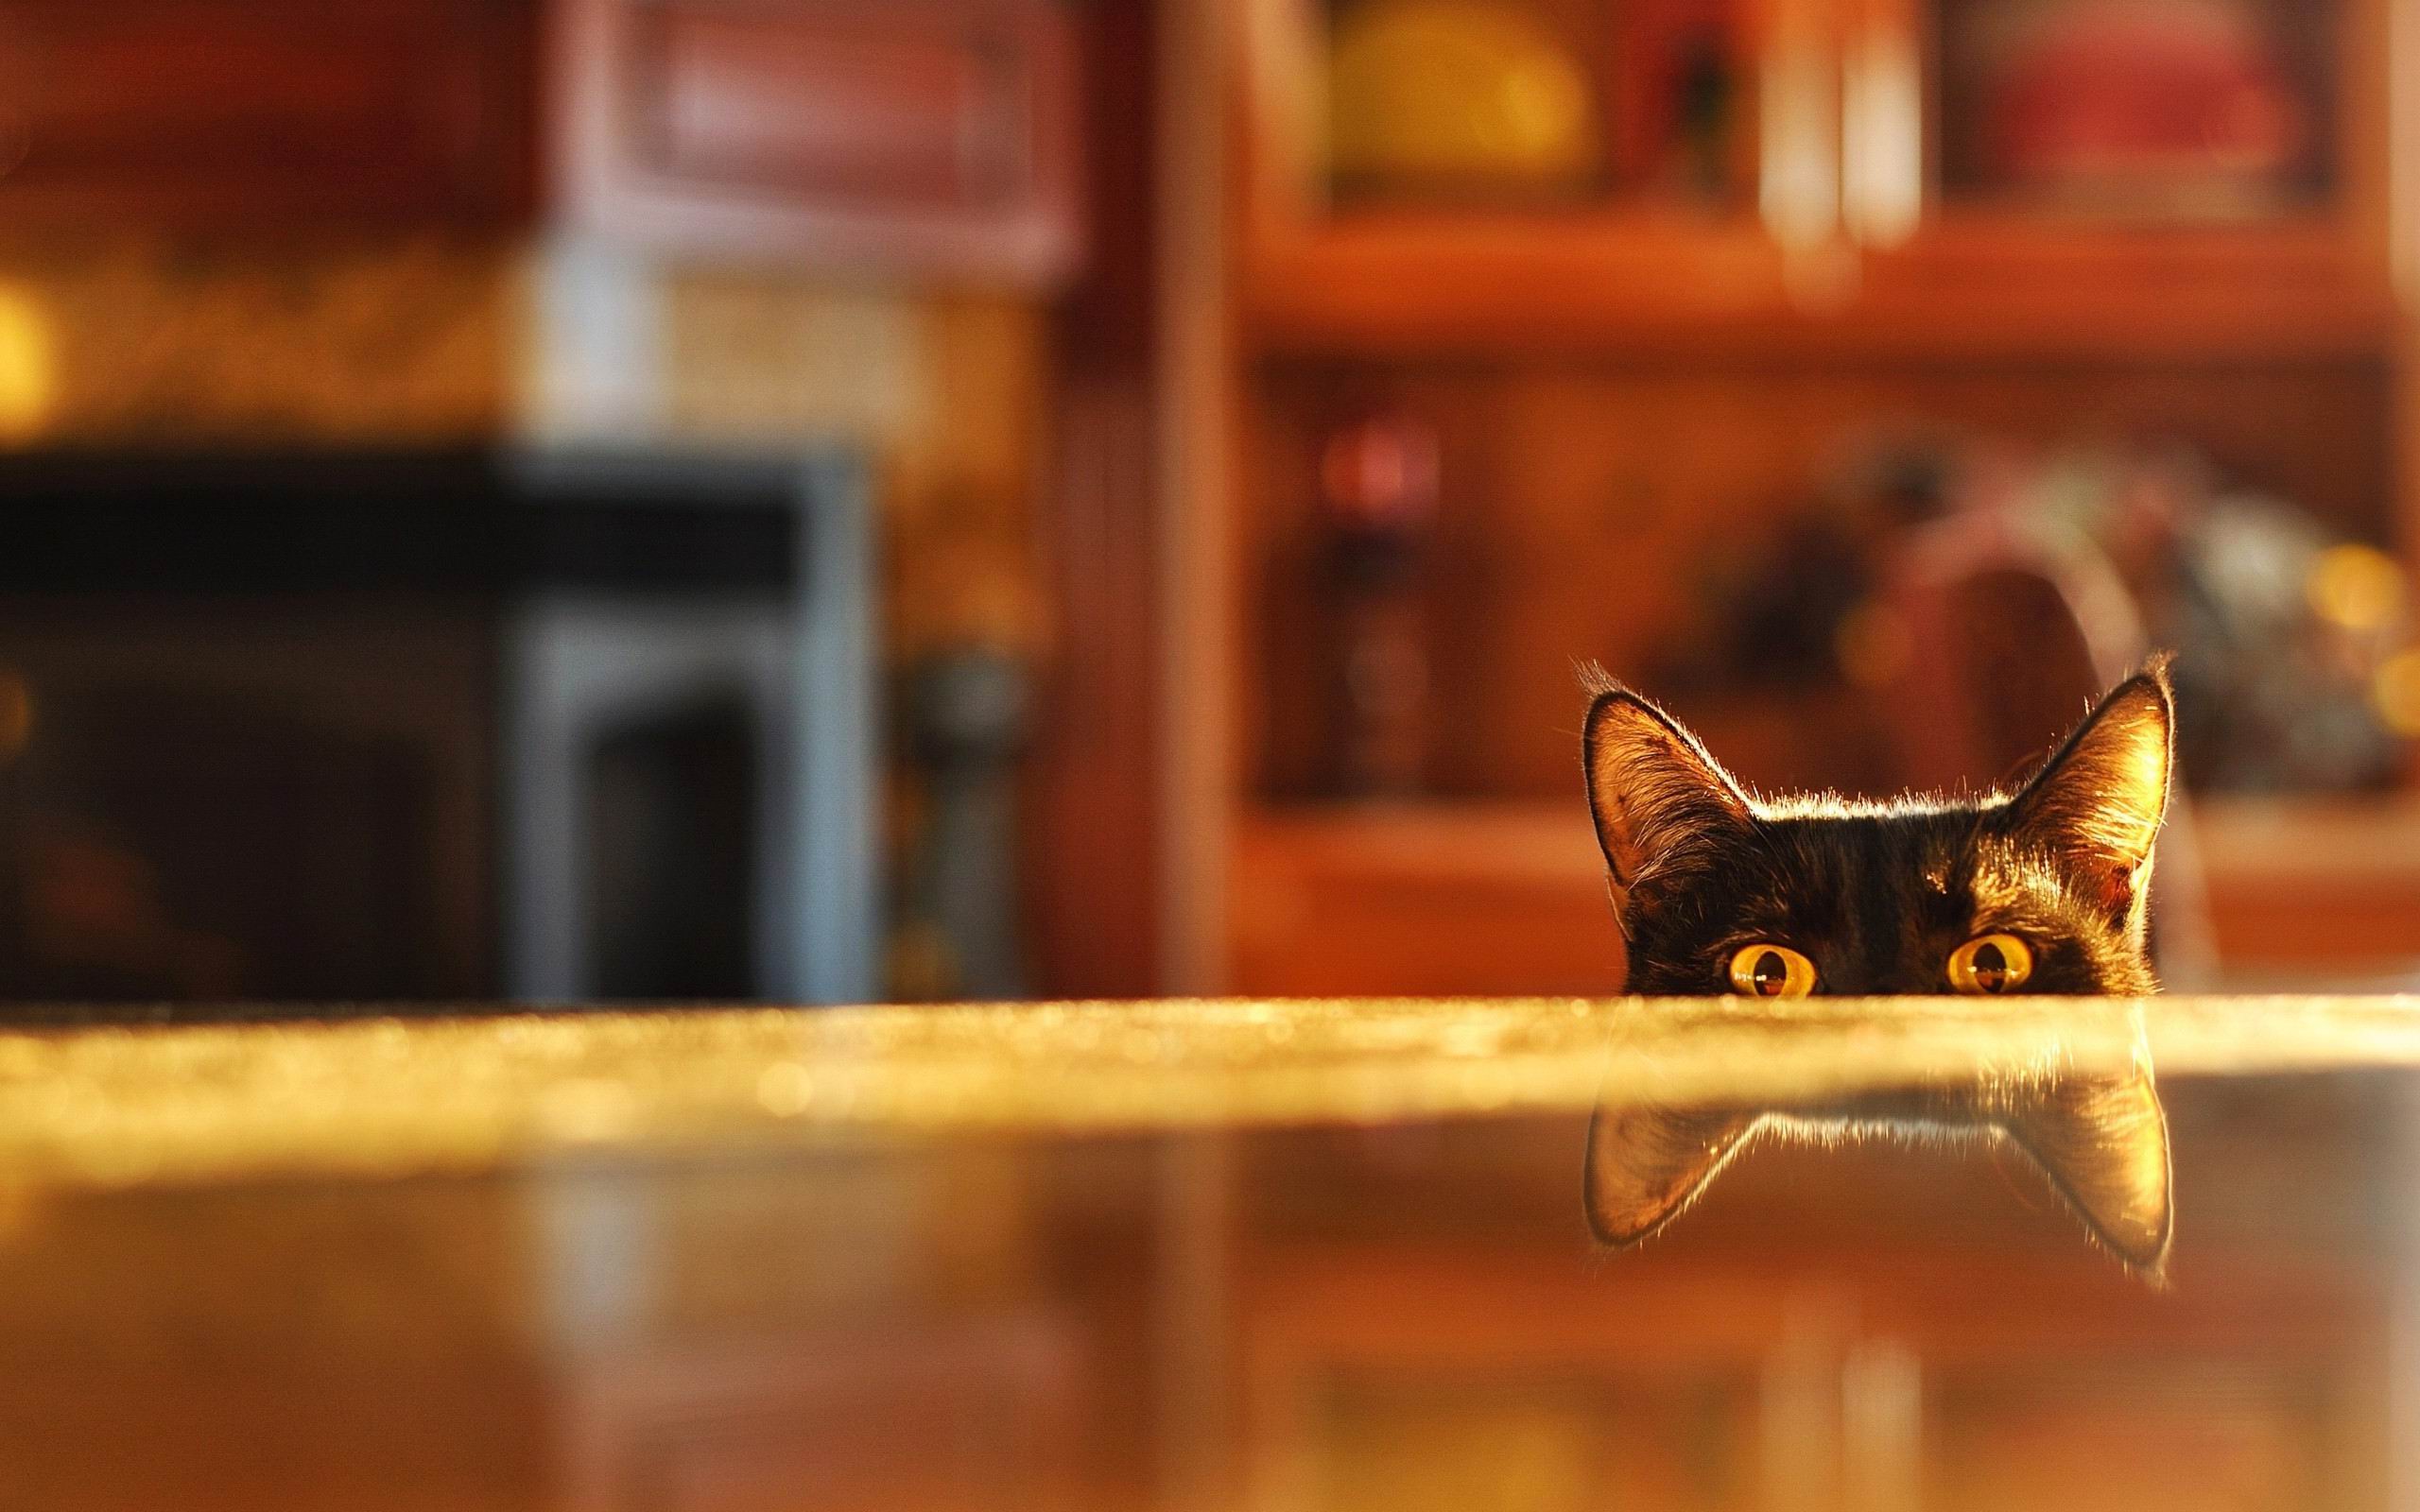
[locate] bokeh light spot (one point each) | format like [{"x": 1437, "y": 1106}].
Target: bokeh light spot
[
  {"x": 28, "y": 365},
  {"x": 2355, "y": 587}
]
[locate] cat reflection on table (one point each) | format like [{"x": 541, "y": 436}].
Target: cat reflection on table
[
  {"x": 2040, "y": 890},
  {"x": 2102, "y": 1142}
]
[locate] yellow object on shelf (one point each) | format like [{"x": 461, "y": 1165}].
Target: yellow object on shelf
[{"x": 1457, "y": 95}]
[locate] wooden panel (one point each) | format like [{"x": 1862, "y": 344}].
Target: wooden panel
[
  {"x": 1092, "y": 850},
  {"x": 918, "y": 134},
  {"x": 260, "y": 115}
]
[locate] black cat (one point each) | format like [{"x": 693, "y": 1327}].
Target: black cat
[{"x": 2042, "y": 890}]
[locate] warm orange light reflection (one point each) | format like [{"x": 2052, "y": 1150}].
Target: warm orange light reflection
[
  {"x": 16, "y": 714},
  {"x": 2357, "y": 588},
  {"x": 2396, "y": 692},
  {"x": 1874, "y": 644},
  {"x": 28, "y": 365}
]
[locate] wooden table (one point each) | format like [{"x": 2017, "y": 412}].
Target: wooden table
[{"x": 1249, "y": 1253}]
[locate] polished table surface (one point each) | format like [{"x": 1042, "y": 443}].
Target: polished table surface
[
  {"x": 115, "y": 1104},
  {"x": 1312, "y": 1256}
]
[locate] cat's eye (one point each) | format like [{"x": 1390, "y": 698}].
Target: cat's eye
[
  {"x": 1989, "y": 963},
  {"x": 1771, "y": 972}
]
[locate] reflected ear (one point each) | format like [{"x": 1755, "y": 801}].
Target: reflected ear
[
  {"x": 2097, "y": 805},
  {"x": 2103, "y": 1143},
  {"x": 1645, "y": 1164},
  {"x": 1656, "y": 795}
]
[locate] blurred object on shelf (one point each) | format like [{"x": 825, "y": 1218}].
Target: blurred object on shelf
[
  {"x": 2011, "y": 620},
  {"x": 2396, "y": 692},
  {"x": 1458, "y": 100},
  {"x": 1798, "y": 610},
  {"x": 968, "y": 633},
  {"x": 2282, "y": 629},
  {"x": 968, "y": 712},
  {"x": 2294, "y": 669},
  {"x": 1678, "y": 100},
  {"x": 1378, "y": 484},
  {"x": 2158, "y": 106}
]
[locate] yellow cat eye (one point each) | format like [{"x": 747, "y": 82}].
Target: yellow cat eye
[
  {"x": 1771, "y": 972},
  {"x": 1991, "y": 963}
]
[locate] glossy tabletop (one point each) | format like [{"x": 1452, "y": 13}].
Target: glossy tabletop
[
  {"x": 117, "y": 1105},
  {"x": 1308, "y": 1255}
]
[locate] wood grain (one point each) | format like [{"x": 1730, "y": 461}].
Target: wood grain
[{"x": 264, "y": 117}]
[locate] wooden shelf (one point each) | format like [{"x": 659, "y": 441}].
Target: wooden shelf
[
  {"x": 1510, "y": 897},
  {"x": 1404, "y": 281},
  {"x": 1805, "y": 255},
  {"x": 1994, "y": 284},
  {"x": 1972, "y": 287}
]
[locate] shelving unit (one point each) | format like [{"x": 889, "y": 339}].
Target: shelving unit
[
  {"x": 1845, "y": 244},
  {"x": 1617, "y": 380}
]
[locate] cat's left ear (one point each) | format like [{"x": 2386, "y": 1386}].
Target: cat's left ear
[
  {"x": 1660, "y": 802},
  {"x": 2096, "y": 806}
]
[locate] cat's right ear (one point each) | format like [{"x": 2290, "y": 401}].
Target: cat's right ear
[
  {"x": 2097, "y": 804},
  {"x": 1658, "y": 797}
]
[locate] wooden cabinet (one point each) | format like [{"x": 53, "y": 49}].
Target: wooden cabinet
[
  {"x": 1883, "y": 227},
  {"x": 1340, "y": 252},
  {"x": 933, "y": 135},
  {"x": 260, "y": 117},
  {"x": 917, "y": 136},
  {"x": 1829, "y": 194}
]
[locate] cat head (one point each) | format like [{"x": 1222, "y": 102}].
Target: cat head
[{"x": 2043, "y": 889}]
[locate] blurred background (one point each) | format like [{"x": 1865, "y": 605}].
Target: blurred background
[{"x": 685, "y": 499}]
